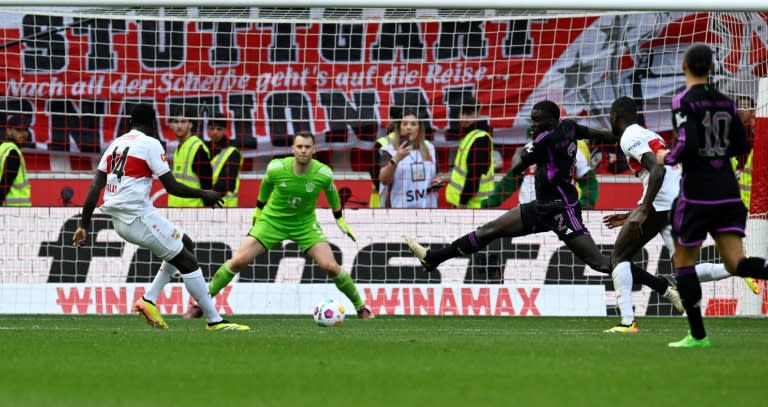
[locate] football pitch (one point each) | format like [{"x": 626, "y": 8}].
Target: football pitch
[{"x": 391, "y": 361}]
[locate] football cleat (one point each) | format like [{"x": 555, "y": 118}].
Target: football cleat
[
  {"x": 674, "y": 297},
  {"x": 752, "y": 284},
  {"x": 225, "y": 325},
  {"x": 193, "y": 310},
  {"x": 624, "y": 329},
  {"x": 149, "y": 311},
  {"x": 691, "y": 342},
  {"x": 365, "y": 312},
  {"x": 420, "y": 252}
]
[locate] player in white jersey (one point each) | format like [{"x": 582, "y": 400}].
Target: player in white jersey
[
  {"x": 661, "y": 185},
  {"x": 125, "y": 172}
]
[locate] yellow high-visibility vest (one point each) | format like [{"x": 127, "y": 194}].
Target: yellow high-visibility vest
[
  {"x": 460, "y": 170},
  {"x": 183, "y": 159},
  {"x": 375, "y": 200},
  {"x": 745, "y": 181},
  {"x": 218, "y": 162},
  {"x": 20, "y": 192}
]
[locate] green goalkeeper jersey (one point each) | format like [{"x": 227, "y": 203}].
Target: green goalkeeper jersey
[{"x": 292, "y": 199}]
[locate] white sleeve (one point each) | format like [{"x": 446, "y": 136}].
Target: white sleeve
[
  {"x": 634, "y": 146},
  {"x": 582, "y": 165},
  {"x": 103, "y": 162},
  {"x": 156, "y": 159}
]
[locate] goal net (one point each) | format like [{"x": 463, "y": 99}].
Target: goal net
[{"x": 72, "y": 75}]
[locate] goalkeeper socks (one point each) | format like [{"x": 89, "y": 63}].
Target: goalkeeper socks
[
  {"x": 467, "y": 244},
  {"x": 690, "y": 291},
  {"x": 223, "y": 276},
  {"x": 622, "y": 284},
  {"x": 164, "y": 275},
  {"x": 195, "y": 283},
  {"x": 345, "y": 284},
  {"x": 755, "y": 267},
  {"x": 645, "y": 278},
  {"x": 711, "y": 272}
]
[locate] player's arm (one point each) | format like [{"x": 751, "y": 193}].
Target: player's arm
[
  {"x": 202, "y": 164},
  {"x": 686, "y": 132},
  {"x": 98, "y": 183},
  {"x": 174, "y": 187},
  {"x": 332, "y": 195},
  {"x": 738, "y": 143},
  {"x": 265, "y": 191},
  {"x": 601, "y": 136},
  {"x": 524, "y": 157},
  {"x": 655, "y": 180}
]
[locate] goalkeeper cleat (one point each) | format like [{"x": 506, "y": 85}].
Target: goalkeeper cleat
[
  {"x": 674, "y": 297},
  {"x": 193, "y": 310},
  {"x": 420, "y": 252},
  {"x": 624, "y": 329},
  {"x": 365, "y": 312},
  {"x": 149, "y": 311},
  {"x": 225, "y": 325},
  {"x": 752, "y": 284},
  {"x": 691, "y": 342}
]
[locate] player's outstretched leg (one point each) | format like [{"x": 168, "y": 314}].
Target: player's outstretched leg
[
  {"x": 195, "y": 285},
  {"x": 510, "y": 224}
]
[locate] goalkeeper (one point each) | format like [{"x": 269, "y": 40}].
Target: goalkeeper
[{"x": 286, "y": 211}]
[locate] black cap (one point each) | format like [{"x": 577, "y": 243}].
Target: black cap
[{"x": 16, "y": 121}]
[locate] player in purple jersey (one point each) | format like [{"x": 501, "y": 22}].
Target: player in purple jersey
[
  {"x": 556, "y": 207},
  {"x": 709, "y": 132}
]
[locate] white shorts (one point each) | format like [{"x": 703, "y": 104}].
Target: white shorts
[{"x": 153, "y": 232}]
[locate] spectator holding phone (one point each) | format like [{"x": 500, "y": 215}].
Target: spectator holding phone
[{"x": 408, "y": 166}]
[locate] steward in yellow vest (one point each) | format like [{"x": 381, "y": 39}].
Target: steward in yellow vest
[
  {"x": 14, "y": 181},
  {"x": 472, "y": 175},
  {"x": 191, "y": 160},
  {"x": 226, "y": 162}
]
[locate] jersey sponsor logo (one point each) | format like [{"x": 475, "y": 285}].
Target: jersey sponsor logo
[{"x": 680, "y": 118}]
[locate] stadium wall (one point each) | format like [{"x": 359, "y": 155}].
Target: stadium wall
[{"x": 530, "y": 276}]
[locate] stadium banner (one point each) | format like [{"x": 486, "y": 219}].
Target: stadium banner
[
  {"x": 77, "y": 78},
  {"x": 41, "y": 270},
  {"x": 287, "y": 299}
]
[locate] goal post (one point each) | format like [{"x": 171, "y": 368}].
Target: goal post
[{"x": 74, "y": 71}]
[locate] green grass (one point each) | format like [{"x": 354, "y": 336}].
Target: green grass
[{"x": 452, "y": 361}]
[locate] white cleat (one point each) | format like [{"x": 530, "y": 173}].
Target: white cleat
[
  {"x": 420, "y": 252},
  {"x": 674, "y": 297}
]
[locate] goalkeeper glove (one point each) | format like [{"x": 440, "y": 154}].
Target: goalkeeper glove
[
  {"x": 345, "y": 228},
  {"x": 255, "y": 215}
]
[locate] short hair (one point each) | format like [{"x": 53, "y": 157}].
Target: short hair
[
  {"x": 625, "y": 108},
  {"x": 306, "y": 134},
  {"x": 699, "y": 58},
  {"x": 468, "y": 104},
  {"x": 187, "y": 112},
  {"x": 747, "y": 100},
  {"x": 143, "y": 115},
  {"x": 549, "y": 107},
  {"x": 17, "y": 121},
  {"x": 218, "y": 120}
]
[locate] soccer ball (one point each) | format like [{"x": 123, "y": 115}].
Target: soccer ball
[{"x": 329, "y": 313}]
